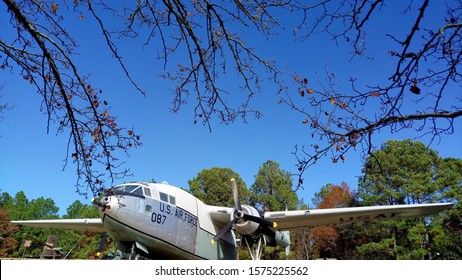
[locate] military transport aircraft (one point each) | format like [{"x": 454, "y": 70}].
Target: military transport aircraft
[{"x": 159, "y": 221}]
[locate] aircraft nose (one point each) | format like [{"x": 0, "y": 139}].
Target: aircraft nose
[{"x": 104, "y": 203}]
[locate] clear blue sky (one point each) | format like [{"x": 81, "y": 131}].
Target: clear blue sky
[{"x": 174, "y": 149}]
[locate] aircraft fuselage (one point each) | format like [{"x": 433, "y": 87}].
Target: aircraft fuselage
[{"x": 164, "y": 222}]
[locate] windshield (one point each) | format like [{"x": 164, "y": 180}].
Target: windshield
[{"x": 132, "y": 189}]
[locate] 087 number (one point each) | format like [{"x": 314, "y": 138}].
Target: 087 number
[{"x": 158, "y": 218}]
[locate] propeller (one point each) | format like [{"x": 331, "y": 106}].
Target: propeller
[
  {"x": 240, "y": 216},
  {"x": 101, "y": 244}
]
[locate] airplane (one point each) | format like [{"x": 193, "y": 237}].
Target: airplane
[{"x": 160, "y": 221}]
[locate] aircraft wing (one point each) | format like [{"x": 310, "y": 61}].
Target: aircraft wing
[
  {"x": 321, "y": 217},
  {"x": 93, "y": 225}
]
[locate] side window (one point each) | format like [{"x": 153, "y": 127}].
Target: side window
[
  {"x": 148, "y": 210},
  {"x": 147, "y": 192},
  {"x": 167, "y": 198},
  {"x": 163, "y": 197},
  {"x": 172, "y": 200}
]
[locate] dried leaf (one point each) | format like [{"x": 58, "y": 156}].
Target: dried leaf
[
  {"x": 332, "y": 100},
  {"x": 305, "y": 121},
  {"x": 305, "y": 81},
  {"x": 375, "y": 94},
  {"x": 415, "y": 89},
  {"x": 310, "y": 91},
  {"x": 54, "y": 8}
]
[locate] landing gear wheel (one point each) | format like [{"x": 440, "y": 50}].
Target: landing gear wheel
[{"x": 135, "y": 256}]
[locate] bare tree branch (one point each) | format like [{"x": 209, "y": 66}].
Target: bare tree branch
[{"x": 421, "y": 93}]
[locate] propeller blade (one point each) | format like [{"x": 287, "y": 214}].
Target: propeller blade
[
  {"x": 101, "y": 244},
  {"x": 239, "y": 214},
  {"x": 260, "y": 221},
  {"x": 223, "y": 230},
  {"x": 237, "y": 200}
]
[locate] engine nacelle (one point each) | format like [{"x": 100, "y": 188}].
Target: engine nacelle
[{"x": 246, "y": 227}]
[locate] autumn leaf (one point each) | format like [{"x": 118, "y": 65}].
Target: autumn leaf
[
  {"x": 280, "y": 101},
  {"x": 54, "y": 8},
  {"x": 342, "y": 157},
  {"x": 305, "y": 81},
  {"x": 305, "y": 121},
  {"x": 130, "y": 132},
  {"x": 375, "y": 94},
  {"x": 310, "y": 91},
  {"x": 332, "y": 100},
  {"x": 316, "y": 147},
  {"x": 415, "y": 89},
  {"x": 296, "y": 78}
]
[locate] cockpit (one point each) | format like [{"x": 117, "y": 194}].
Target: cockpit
[
  {"x": 144, "y": 191},
  {"x": 129, "y": 189}
]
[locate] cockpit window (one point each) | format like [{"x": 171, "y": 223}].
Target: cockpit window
[
  {"x": 147, "y": 192},
  {"x": 138, "y": 191},
  {"x": 131, "y": 189}
]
